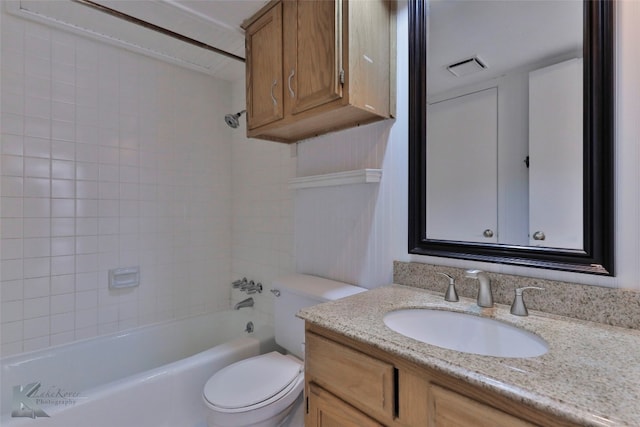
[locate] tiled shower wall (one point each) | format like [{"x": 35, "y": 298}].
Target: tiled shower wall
[
  {"x": 262, "y": 224},
  {"x": 109, "y": 159}
]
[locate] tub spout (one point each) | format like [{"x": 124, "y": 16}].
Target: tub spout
[{"x": 244, "y": 303}]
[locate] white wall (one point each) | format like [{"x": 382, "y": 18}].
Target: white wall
[
  {"x": 109, "y": 159},
  {"x": 262, "y": 224},
  {"x": 383, "y": 237}
]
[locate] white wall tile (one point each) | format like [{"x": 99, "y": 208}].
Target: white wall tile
[
  {"x": 36, "y": 287},
  {"x": 63, "y": 150},
  {"x": 62, "y": 227},
  {"x": 35, "y": 328},
  {"x": 12, "y": 124},
  {"x": 64, "y": 303},
  {"x": 37, "y": 207},
  {"x": 11, "y": 207},
  {"x": 62, "y": 265},
  {"x": 62, "y": 338},
  {"x": 11, "y": 248},
  {"x": 37, "y": 267},
  {"x": 37, "y": 167},
  {"x": 36, "y": 307},
  {"x": 11, "y": 144},
  {"x": 120, "y": 154},
  {"x": 11, "y": 311},
  {"x": 13, "y": 228},
  {"x": 11, "y": 332},
  {"x": 11, "y": 290},
  {"x": 62, "y": 284},
  {"x": 12, "y": 186},
  {"x": 63, "y": 208}
]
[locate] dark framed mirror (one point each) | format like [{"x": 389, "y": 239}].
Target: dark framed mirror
[{"x": 594, "y": 251}]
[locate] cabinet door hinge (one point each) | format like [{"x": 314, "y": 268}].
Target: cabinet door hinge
[{"x": 342, "y": 77}]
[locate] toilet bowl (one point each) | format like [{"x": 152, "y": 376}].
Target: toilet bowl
[
  {"x": 257, "y": 392},
  {"x": 261, "y": 391}
]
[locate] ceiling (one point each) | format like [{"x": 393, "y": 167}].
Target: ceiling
[
  {"x": 505, "y": 35},
  {"x": 214, "y": 22}
]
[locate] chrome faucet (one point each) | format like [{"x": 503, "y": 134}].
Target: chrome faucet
[
  {"x": 451, "y": 294},
  {"x": 518, "y": 306},
  {"x": 485, "y": 296},
  {"x": 247, "y": 286},
  {"x": 244, "y": 303}
]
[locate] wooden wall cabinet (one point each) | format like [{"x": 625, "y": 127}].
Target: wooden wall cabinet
[
  {"x": 318, "y": 66},
  {"x": 349, "y": 384}
]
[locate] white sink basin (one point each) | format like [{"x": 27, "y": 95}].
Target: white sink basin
[{"x": 466, "y": 333}]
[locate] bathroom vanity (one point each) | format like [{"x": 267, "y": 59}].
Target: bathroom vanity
[{"x": 361, "y": 373}]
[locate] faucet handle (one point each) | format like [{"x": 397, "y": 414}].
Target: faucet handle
[
  {"x": 451, "y": 295},
  {"x": 236, "y": 284},
  {"x": 518, "y": 308}
]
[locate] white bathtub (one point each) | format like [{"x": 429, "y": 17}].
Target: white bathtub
[{"x": 150, "y": 376}]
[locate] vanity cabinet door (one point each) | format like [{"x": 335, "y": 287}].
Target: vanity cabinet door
[
  {"x": 265, "y": 103},
  {"x": 326, "y": 410},
  {"x": 450, "y": 409},
  {"x": 362, "y": 380},
  {"x": 314, "y": 76}
]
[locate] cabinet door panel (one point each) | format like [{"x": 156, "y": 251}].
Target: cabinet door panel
[
  {"x": 326, "y": 410},
  {"x": 367, "y": 382},
  {"x": 449, "y": 409},
  {"x": 264, "y": 69},
  {"x": 317, "y": 54}
]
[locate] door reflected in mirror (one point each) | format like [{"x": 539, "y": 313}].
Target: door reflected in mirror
[{"x": 504, "y": 122}]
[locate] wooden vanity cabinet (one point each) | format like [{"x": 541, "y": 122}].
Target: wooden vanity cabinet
[
  {"x": 317, "y": 66},
  {"x": 349, "y": 384}
]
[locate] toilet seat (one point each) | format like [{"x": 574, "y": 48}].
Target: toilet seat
[{"x": 253, "y": 383}]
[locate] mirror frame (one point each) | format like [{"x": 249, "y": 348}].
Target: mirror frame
[{"x": 598, "y": 254}]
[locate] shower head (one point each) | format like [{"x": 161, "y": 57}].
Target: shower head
[{"x": 232, "y": 119}]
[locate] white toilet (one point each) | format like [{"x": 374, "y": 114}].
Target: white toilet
[{"x": 261, "y": 391}]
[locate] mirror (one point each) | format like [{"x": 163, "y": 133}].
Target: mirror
[{"x": 511, "y": 142}]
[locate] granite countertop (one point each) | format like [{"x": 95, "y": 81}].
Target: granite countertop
[{"x": 590, "y": 375}]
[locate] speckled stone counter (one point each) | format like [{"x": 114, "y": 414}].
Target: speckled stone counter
[{"x": 590, "y": 375}]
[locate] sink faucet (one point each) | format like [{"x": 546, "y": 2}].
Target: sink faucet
[
  {"x": 244, "y": 303},
  {"x": 485, "y": 297}
]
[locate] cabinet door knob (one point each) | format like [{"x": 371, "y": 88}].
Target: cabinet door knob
[
  {"x": 539, "y": 235},
  {"x": 487, "y": 233},
  {"x": 291, "y": 92},
  {"x": 273, "y": 98}
]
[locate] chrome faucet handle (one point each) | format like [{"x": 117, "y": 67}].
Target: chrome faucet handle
[
  {"x": 485, "y": 295},
  {"x": 451, "y": 295},
  {"x": 236, "y": 284},
  {"x": 518, "y": 308},
  {"x": 247, "y": 285}
]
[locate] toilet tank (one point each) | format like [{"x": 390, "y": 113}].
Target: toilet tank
[{"x": 298, "y": 291}]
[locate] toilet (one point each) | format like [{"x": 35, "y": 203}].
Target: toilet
[{"x": 261, "y": 391}]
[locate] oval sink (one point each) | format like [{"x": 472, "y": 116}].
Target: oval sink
[{"x": 466, "y": 333}]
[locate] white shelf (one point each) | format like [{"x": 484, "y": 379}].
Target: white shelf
[{"x": 360, "y": 176}]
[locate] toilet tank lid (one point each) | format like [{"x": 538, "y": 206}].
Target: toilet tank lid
[{"x": 315, "y": 287}]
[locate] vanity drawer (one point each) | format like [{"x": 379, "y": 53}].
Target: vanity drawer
[
  {"x": 448, "y": 408},
  {"x": 364, "y": 381}
]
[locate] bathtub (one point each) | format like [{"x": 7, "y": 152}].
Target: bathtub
[{"x": 150, "y": 376}]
